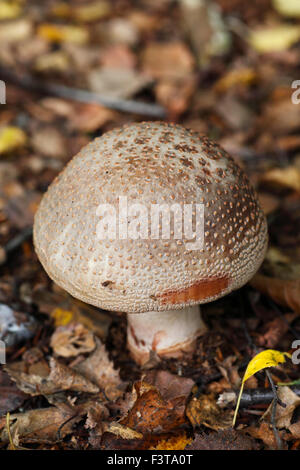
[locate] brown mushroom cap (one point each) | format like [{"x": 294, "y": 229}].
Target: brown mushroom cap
[{"x": 150, "y": 163}]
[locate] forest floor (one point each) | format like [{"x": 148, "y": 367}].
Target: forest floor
[{"x": 69, "y": 381}]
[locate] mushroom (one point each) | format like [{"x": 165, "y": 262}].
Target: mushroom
[{"x": 116, "y": 256}]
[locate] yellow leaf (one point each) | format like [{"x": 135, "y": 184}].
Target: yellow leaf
[
  {"x": 289, "y": 8},
  {"x": 91, "y": 12},
  {"x": 277, "y": 38},
  {"x": 63, "y": 33},
  {"x": 11, "y": 138},
  {"x": 62, "y": 317},
  {"x": 262, "y": 360},
  {"x": 244, "y": 76},
  {"x": 9, "y": 10}
]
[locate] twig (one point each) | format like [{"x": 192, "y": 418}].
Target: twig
[
  {"x": 251, "y": 397},
  {"x": 30, "y": 83}
]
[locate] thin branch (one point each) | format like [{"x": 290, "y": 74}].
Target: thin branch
[
  {"x": 30, "y": 83},
  {"x": 251, "y": 397}
]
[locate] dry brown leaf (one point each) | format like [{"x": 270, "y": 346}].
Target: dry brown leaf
[
  {"x": 169, "y": 385},
  {"x": 151, "y": 413},
  {"x": 284, "y": 292},
  {"x": 288, "y": 177},
  {"x": 273, "y": 332},
  {"x": 117, "y": 82},
  {"x": 284, "y": 416},
  {"x": 49, "y": 141},
  {"x": 175, "y": 95},
  {"x": 89, "y": 117},
  {"x": 39, "y": 425},
  {"x": 204, "y": 411},
  {"x": 122, "y": 431},
  {"x": 72, "y": 340},
  {"x": 100, "y": 370},
  {"x": 265, "y": 433},
  {"x": 167, "y": 60},
  {"x": 16, "y": 31},
  {"x": 61, "y": 378}
]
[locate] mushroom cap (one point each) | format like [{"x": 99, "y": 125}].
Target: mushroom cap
[{"x": 150, "y": 163}]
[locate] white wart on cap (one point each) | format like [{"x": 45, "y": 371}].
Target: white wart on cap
[{"x": 151, "y": 163}]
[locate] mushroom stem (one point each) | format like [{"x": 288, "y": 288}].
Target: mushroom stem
[{"x": 169, "y": 333}]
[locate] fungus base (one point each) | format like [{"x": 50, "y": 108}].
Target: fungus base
[{"x": 169, "y": 333}]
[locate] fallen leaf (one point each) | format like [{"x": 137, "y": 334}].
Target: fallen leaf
[
  {"x": 9, "y": 10},
  {"x": 61, "y": 317},
  {"x": 11, "y": 138},
  {"x": 265, "y": 433},
  {"x": 39, "y": 425},
  {"x": 262, "y": 360},
  {"x": 117, "y": 82},
  {"x": 290, "y": 8},
  {"x": 276, "y": 38},
  {"x": 122, "y": 431},
  {"x": 175, "y": 95},
  {"x": 63, "y": 33},
  {"x": 100, "y": 370},
  {"x": 61, "y": 378},
  {"x": 16, "y": 31},
  {"x": 49, "y": 141},
  {"x": 285, "y": 292},
  {"x": 204, "y": 411},
  {"x": 90, "y": 117},
  {"x": 93, "y": 11},
  {"x": 288, "y": 177},
  {"x": 167, "y": 60},
  {"x": 57, "y": 61},
  {"x": 284, "y": 416},
  {"x": 151, "y": 413},
  {"x": 240, "y": 76},
  {"x": 72, "y": 340},
  {"x": 273, "y": 332}
]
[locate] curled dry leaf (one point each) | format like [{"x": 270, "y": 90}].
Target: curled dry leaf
[
  {"x": 285, "y": 416},
  {"x": 158, "y": 408},
  {"x": 61, "y": 377},
  {"x": 39, "y": 425},
  {"x": 100, "y": 370},
  {"x": 265, "y": 433},
  {"x": 204, "y": 411},
  {"x": 122, "y": 431},
  {"x": 169, "y": 385},
  {"x": 72, "y": 340}
]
